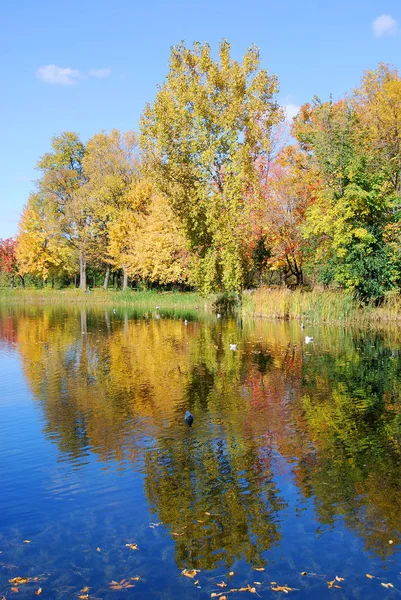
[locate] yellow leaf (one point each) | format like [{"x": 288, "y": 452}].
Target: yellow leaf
[
  {"x": 258, "y": 568},
  {"x": 14, "y": 590},
  {"x": 83, "y": 597},
  {"x": 136, "y": 578},
  {"x": 304, "y": 573},
  {"x": 281, "y": 588},
  {"x": 19, "y": 580},
  {"x": 132, "y": 546},
  {"x": 27, "y": 541},
  {"x": 231, "y": 573},
  {"x": 84, "y": 589},
  {"x": 390, "y": 542},
  {"x": 370, "y": 576},
  {"x": 339, "y": 578},
  {"x": 190, "y": 572},
  {"x": 387, "y": 585},
  {"x": 222, "y": 584},
  {"x": 38, "y": 591},
  {"x": 98, "y": 549}
]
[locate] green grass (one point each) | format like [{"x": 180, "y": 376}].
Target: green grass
[{"x": 151, "y": 299}]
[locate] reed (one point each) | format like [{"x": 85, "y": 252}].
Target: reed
[{"x": 325, "y": 306}]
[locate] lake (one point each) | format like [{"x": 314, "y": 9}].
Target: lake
[{"x": 288, "y": 482}]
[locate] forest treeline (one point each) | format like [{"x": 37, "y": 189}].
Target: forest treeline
[{"x": 219, "y": 192}]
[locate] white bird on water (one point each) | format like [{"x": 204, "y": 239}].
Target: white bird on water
[
  {"x": 233, "y": 346},
  {"x": 308, "y": 339},
  {"x": 185, "y": 322}
]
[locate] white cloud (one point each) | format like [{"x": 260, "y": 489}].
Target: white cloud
[
  {"x": 66, "y": 76},
  {"x": 291, "y": 111},
  {"x": 58, "y": 75},
  {"x": 384, "y": 25},
  {"x": 100, "y": 73}
]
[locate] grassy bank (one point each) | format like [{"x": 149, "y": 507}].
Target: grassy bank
[
  {"x": 318, "y": 306},
  {"x": 151, "y": 299}
]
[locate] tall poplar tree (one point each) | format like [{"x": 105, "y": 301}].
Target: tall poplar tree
[{"x": 210, "y": 122}]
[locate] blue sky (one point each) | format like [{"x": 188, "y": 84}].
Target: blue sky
[{"x": 92, "y": 65}]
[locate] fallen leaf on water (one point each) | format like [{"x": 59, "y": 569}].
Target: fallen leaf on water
[
  {"x": 85, "y": 589},
  {"x": 208, "y": 514},
  {"x": 177, "y": 534},
  {"x": 196, "y": 582},
  {"x": 38, "y": 591},
  {"x": 248, "y": 588},
  {"x": 98, "y": 549},
  {"x": 84, "y": 597},
  {"x": 14, "y": 590},
  {"x": 333, "y": 583},
  {"x": 124, "y": 584},
  {"x": 370, "y": 576},
  {"x": 257, "y": 583},
  {"x": 387, "y": 585},
  {"x": 20, "y": 580},
  {"x": 304, "y": 573},
  {"x": 231, "y": 573},
  {"x": 132, "y": 546},
  {"x": 281, "y": 588},
  {"x": 390, "y": 542},
  {"x": 258, "y": 568},
  {"x": 27, "y": 541},
  {"x": 190, "y": 572},
  {"x": 222, "y": 584}
]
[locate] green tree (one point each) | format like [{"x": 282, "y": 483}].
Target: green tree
[{"x": 201, "y": 138}]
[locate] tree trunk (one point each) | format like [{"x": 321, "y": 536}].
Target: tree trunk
[
  {"x": 106, "y": 277},
  {"x": 12, "y": 281},
  {"x": 125, "y": 278},
  {"x": 22, "y": 281},
  {"x": 82, "y": 272}
]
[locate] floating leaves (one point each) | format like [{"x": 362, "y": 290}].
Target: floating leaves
[
  {"x": 98, "y": 549},
  {"x": 38, "y": 591},
  {"x": 333, "y": 583},
  {"x": 258, "y": 568},
  {"x": 27, "y": 541},
  {"x": 124, "y": 584},
  {"x": 222, "y": 584},
  {"x": 370, "y": 576},
  {"x": 22, "y": 580},
  {"x": 387, "y": 585},
  {"x": 280, "y": 588},
  {"x": 220, "y": 595},
  {"x": 190, "y": 572}
]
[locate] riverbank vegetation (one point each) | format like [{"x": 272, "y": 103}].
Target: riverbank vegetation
[{"x": 219, "y": 193}]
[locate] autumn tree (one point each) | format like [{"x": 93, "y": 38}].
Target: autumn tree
[
  {"x": 111, "y": 169},
  {"x": 346, "y": 224},
  {"x": 200, "y": 138},
  {"x": 41, "y": 248},
  {"x": 8, "y": 260},
  {"x": 159, "y": 251},
  {"x": 62, "y": 179}
]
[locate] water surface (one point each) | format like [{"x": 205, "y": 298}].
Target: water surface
[{"x": 290, "y": 473}]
